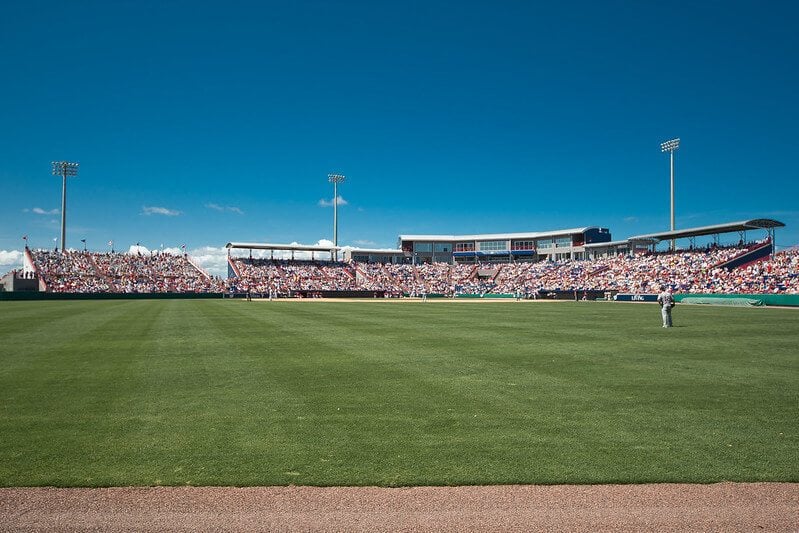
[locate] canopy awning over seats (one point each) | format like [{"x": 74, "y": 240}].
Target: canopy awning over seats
[
  {"x": 312, "y": 248},
  {"x": 730, "y": 227},
  {"x": 270, "y": 246}
]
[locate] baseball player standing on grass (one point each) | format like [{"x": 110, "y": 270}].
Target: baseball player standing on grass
[{"x": 666, "y": 301}]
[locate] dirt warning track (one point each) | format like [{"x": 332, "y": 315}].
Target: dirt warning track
[{"x": 719, "y": 507}]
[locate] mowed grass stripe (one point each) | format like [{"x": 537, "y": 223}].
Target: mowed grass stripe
[
  {"x": 75, "y": 363},
  {"x": 329, "y": 393}
]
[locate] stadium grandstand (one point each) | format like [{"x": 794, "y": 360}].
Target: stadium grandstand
[
  {"x": 86, "y": 272},
  {"x": 531, "y": 265}
]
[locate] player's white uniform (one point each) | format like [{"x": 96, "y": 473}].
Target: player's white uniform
[{"x": 666, "y": 301}]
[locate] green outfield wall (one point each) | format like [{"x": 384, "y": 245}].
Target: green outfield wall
[{"x": 788, "y": 300}]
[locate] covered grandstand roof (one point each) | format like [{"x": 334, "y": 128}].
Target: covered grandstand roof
[
  {"x": 269, "y": 246},
  {"x": 307, "y": 248},
  {"x": 744, "y": 225},
  {"x": 495, "y": 236}
]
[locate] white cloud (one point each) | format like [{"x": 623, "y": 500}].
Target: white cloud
[
  {"x": 630, "y": 219},
  {"x": 11, "y": 258},
  {"x": 225, "y": 208},
  {"x": 135, "y": 248},
  {"x": 211, "y": 259},
  {"x": 363, "y": 242},
  {"x": 40, "y": 211},
  {"x": 159, "y": 211},
  {"x": 329, "y": 203}
]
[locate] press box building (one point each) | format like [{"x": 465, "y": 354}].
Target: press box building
[{"x": 502, "y": 247}]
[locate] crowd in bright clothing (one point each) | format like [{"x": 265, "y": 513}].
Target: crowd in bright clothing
[
  {"x": 282, "y": 277},
  {"x": 89, "y": 272},
  {"x": 683, "y": 271}
]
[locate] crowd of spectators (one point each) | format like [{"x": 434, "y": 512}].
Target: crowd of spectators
[
  {"x": 693, "y": 271},
  {"x": 415, "y": 280},
  {"x": 688, "y": 271},
  {"x": 392, "y": 279},
  {"x": 684, "y": 271},
  {"x": 69, "y": 271},
  {"x": 284, "y": 277},
  {"x": 76, "y": 271}
]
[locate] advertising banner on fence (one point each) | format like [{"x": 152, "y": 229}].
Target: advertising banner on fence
[{"x": 636, "y": 297}]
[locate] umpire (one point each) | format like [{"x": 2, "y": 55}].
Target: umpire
[{"x": 666, "y": 301}]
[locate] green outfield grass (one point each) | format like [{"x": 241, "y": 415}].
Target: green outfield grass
[{"x": 221, "y": 392}]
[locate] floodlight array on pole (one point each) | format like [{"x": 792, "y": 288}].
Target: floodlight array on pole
[
  {"x": 335, "y": 179},
  {"x": 64, "y": 169},
  {"x": 671, "y": 146}
]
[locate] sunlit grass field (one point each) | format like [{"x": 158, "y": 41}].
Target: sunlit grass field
[{"x": 222, "y": 392}]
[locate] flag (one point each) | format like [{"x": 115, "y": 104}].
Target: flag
[
  {"x": 110, "y": 243},
  {"x": 83, "y": 241}
]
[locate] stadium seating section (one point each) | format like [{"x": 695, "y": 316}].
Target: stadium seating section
[
  {"x": 695, "y": 271},
  {"x": 73, "y": 271}
]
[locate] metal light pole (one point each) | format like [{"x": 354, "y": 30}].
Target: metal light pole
[
  {"x": 64, "y": 169},
  {"x": 335, "y": 179},
  {"x": 671, "y": 146}
]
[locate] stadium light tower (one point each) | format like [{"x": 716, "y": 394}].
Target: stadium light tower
[
  {"x": 64, "y": 169},
  {"x": 335, "y": 179},
  {"x": 671, "y": 146}
]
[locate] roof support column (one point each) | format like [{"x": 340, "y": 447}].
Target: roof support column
[{"x": 772, "y": 233}]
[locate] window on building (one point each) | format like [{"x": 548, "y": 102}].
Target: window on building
[
  {"x": 493, "y": 246},
  {"x": 464, "y": 247},
  {"x": 423, "y": 247},
  {"x": 442, "y": 247}
]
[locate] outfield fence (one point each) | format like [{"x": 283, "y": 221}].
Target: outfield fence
[
  {"x": 109, "y": 296},
  {"x": 783, "y": 300}
]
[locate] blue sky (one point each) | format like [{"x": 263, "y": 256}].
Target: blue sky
[{"x": 199, "y": 123}]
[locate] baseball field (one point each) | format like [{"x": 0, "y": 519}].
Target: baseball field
[{"x": 328, "y": 393}]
